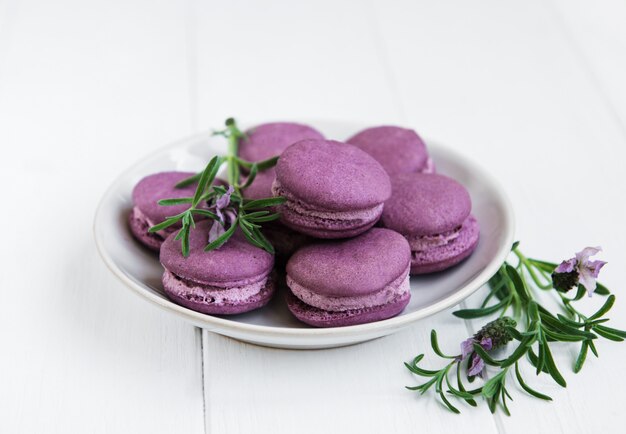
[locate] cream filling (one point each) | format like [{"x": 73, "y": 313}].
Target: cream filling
[
  {"x": 395, "y": 289},
  {"x": 164, "y": 233},
  {"x": 429, "y": 167},
  {"x": 425, "y": 242},
  {"x": 211, "y": 294},
  {"x": 306, "y": 210}
]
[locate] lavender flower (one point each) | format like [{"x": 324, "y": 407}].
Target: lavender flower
[
  {"x": 493, "y": 335},
  {"x": 579, "y": 269},
  {"x": 467, "y": 349},
  {"x": 226, "y": 215},
  {"x": 222, "y": 202}
]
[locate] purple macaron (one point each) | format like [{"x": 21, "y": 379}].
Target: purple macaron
[
  {"x": 398, "y": 150},
  {"x": 332, "y": 189},
  {"x": 147, "y": 212},
  {"x": 233, "y": 279},
  {"x": 268, "y": 140},
  {"x": 285, "y": 240},
  {"x": 346, "y": 282},
  {"x": 433, "y": 213}
]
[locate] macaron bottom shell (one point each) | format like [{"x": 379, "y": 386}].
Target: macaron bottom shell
[
  {"x": 194, "y": 297},
  {"x": 326, "y": 228},
  {"x": 322, "y": 318},
  {"x": 443, "y": 257},
  {"x": 390, "y": 292},
  {"x": 326, "y": 224},
  {"x": 139, "y": 226}
]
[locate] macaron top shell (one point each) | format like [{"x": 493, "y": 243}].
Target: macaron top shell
[
  {"x": 236, "y": 261},
  {"x": 353, "y": 267},
  {"x": 155, "y": 187},
  {"x": 425, "y": 204},
  {"x": 332, "y": 175},
  {"x": 398, "y": 150},
  {"x": 268, "y": 140}
]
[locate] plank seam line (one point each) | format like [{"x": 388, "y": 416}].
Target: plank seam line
[
  {"x": 204, "y": 406},
  {"x": 383, "y": 56},
  {"x": 191, "y": 41},
  {"x": 8, "y": 17},
  {"x": 586, "y": 66}
]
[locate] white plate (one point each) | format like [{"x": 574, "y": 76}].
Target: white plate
[{"x": 273, "y": 325}]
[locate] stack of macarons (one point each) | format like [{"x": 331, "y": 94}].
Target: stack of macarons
[
  {"x": 350, "y": 281},
  {"x": 360, "y": 216},
  {"x": 146, "y": 210},
  {"x": 261, "y": 143},
  {"x": 332, "y": 189},
  {"x": 235, "y": 278}
]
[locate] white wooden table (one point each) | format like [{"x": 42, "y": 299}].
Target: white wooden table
[{"x": 533, "y": 90}]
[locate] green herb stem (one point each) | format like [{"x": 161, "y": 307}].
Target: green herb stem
[
  {"x": 525, "y": 263},
  {"x": 249, "y": 214},
  {"x": 515, "y": 290}
]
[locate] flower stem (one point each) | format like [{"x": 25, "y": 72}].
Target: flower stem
[
  {"x": 567, "y": 303},
  {"x": 233, "y": 134},
  {"x": 523, "y": 261}
]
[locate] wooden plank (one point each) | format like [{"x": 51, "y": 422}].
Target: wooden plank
[
  {"x": 352, "y": 389},
  {"x": 503, "y": 83},
  {"x": 86, "y": 90},
  {"x": 289, "y": 60},
  {"x": 595, "y": 32},
  {"x": 286, "y": 60}
]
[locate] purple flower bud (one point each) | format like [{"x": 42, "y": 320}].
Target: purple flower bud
[
  {"x": 588, "y": 270},
  {"x": 477, "y": 366},
  {"x": 467, "y": 348},
  {"x": 579, "y": 269},
  {"x": 223, "y": 201},
  {"x": 566, "y": 266},
  {"x": 216, "y": 231},
  {"x": 493, "y": 335},
  {"x": 226, "y": 218},
  {"x": 229, "y": 217}
]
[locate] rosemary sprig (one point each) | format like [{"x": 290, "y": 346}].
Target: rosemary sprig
[
  {"x": 514, "y": 290},
  {"x": 227, "y": 207}
]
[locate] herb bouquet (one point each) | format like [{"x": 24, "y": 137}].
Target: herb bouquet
[{"x": 526, "y": 325}]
